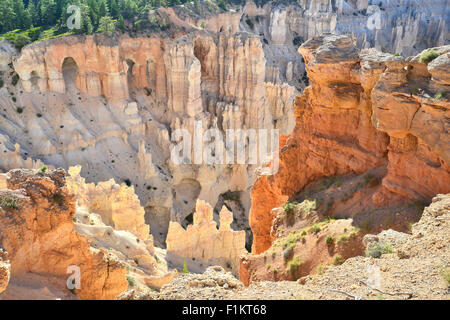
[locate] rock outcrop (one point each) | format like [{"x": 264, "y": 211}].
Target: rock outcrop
[
  {"x": 202, "y": 244},
  {"x": 118, "y": 205},
  {"x": 5, "y": 270},
  {"x": 359, "y": 114},
  {"x": 37, "y": 230}
]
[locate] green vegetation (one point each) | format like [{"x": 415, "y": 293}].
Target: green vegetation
[
  {"x": 106, "y": 26},
  {"x": 414, "y": 91},
  {"x": 428, "y": 56},
  {"x": 439, "y": 95},
  {"x": 9, "y": 202},
  {"x": 320, "y": 269},
  {"x": 131, "y": 281},
  {"x": 58, "y": 198},
  {"x": 302, "y": 209},
  {"x": 377, "y": 249},
  {"x": 293, "y": 266},
  {"x": 337, "y": 259},
  {"x": 290, "y": 240},
  {"x": 445, "y": 273},
  {"x": 25, "y": 21},
  {"x": 288, "y": 252},
  {"x": 185, "y": 268},
  {"x": 43, "y": 169},
  {"x": 329, "y": 240},
  {"x": 289, "y": 207}
]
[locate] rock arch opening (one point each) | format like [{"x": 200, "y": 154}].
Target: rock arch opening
[
  {"x": 34, "y": 79},
  {"x": 70, "y": 73}
]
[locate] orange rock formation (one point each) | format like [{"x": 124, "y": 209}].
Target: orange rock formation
[
  {"x": 359, "y": 113},
  {"x": 37, "y": 230}
]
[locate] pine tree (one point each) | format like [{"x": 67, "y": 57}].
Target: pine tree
[
  {"x": 121, "y": 23},
  {"x": 48, "y": 12},
  {"x": 33, "y": 13},
  {"x": 104, "y": 11},
  {"x": 7, "y": 16},
  {"x": 106, "y": 26}
]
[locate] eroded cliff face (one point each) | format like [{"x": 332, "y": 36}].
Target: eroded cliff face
[
  {"x": 363, "y": 111},
  {"x": 118, "y": 205},
  {"x": 37, "y": 231},
  {"x": 111, "y": 106}
]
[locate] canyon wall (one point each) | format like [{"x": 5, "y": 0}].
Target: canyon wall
[
  {"x": 37, "y": 231},
  {"x": 363, "y": 110},
  {"x": 110, "y": 105}
]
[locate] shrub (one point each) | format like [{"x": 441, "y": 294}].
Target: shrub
[
  {"x": 9, "y": 202},
  {"x": 15, "y": 79},
  {"x": 288, "y": 251},
  {"x": 289, "y": 207},
  {"x": 439, "y": 95},
  {"x": 293, "y": 266},
  {"x": 185, "y": 268},
  {"x": 1, "y": 83},
  {"x": 19, "y": 110},
  {"x": 21, "y": 40},
  {"x": 320, "y": 269},
  {"x": 329, "y": 240},
  {"x": 428, "y": 56},
  {"x": 377, "y": 249},
  {"x": 131, "y": 281},
  {"x": 315, "y": 228},
  {"x": 337, "y": 259},
  {"x": 43, "y": 169}
]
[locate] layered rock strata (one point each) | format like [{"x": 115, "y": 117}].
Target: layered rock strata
[
  {"x": 37, "y": 230},
  {"x": 361, "y": 112}
]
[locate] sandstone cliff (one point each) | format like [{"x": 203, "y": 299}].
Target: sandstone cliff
[
  {"x": 360, "y": 113},
  {"x": 37, "y": 230}
]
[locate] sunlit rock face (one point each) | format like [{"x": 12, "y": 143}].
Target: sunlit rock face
[
  {"x": 37, "y": 231},
  {"x": 202, "y": 244},
  {"x": 112, "y": 105},
  {"x": 363, "y": 110}
]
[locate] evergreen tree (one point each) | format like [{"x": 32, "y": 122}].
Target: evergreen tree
[
  {"x": 121, "y": 23},
  {"x": 33, "y": 13},
  {"x": 104, "y": 11},
  {"x": 48, "y": 12},
  {"x": 19, "y": 10},
  {"x": 106, "y": 26},
  {"x": 7, "y": 16}
]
